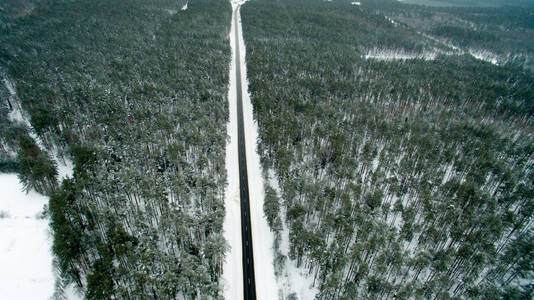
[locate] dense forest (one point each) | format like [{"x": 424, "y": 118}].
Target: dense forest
[
  {"x": 502, "y": 32},
  {"x": 134, "y": 94},
  {"x": 398, "y": 179},
  {"x": 403, "y": 164}
]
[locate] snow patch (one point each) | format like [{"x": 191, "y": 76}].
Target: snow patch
[
  {"x": 9, "y": 87},
  {"x": 72, "y": 293},
  {"x": 185, "y": 6},
  {"x": 389, "y": 55},
  {"x": 65, "y": 167},
  {"x": 448, "y": 173},
  {"x": 232, "y": 276},
  {"x": 355, "y": 3},
  {"x": 25, "y": 243},
  {"x": 15, "y": 115},
  {"x": 485, "y": 55}
]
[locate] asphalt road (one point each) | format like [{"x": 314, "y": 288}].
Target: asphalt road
[{"x": 249, "y": 284}]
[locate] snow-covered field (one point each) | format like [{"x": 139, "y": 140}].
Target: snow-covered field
[
  {"x": 262, "y": 237},
  {"x": 25, "y": 243}
]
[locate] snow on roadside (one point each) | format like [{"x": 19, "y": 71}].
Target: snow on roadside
[
  {"x": 25, "y": 243},
  {"x": 232, "y": 276},
  {"x": 293, "y": 279},
  {"x": 262, "y": 237}
]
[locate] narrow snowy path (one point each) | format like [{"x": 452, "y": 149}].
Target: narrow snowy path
[{"x": 262, "y": 237}]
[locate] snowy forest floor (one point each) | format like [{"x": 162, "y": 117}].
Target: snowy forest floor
[{"x": 26, "y": 257}]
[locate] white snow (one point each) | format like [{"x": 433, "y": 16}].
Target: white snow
[
  {"x": 64, "y": 166},
  {"x": 262, "y": 237},
  {"x": 391, "y": 21},
  {"x": 355, "y": 3},
  {"x": 448, "y": 173},
  {"x": 9, "y": 87},
  {"x": 15, "y": 115},
  {"x": 185, "y": 6},
  {"x": 485, "y": 55},
  {"x": 389, "y": 54},
  {"x": 25, "y": 243}
]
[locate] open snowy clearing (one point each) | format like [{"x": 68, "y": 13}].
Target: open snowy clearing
[
  {"x": 26, "y": 270},
  {"x": 25, "y": 243}
]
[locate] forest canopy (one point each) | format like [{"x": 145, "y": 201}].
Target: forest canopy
[
  {"x": 134, "y": 94},
  {"x": 408, "y": 176}
]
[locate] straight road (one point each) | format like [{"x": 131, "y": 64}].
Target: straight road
[{"x": 249, "y": 284}]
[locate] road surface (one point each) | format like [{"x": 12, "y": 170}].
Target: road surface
[{"x": 249, "y": 285}]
